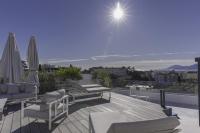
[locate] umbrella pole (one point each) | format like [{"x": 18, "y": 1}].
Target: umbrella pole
[{"x": 198, "y": 61}]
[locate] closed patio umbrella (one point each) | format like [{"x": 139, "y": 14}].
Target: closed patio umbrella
[
  {"x": 33, "y": 61},
  {"x": 11, "y": 69}
]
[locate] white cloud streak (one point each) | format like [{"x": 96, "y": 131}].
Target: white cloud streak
[
  {"x": 101, "y": 57},
  {"x": 119, "y": 57},
  {"x": 56, "y": 61}
]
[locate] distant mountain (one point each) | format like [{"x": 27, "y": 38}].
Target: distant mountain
[{"x": 182, "y": 68}]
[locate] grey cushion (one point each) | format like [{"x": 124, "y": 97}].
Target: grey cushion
[
  {"x": 17, "y": 96},
  {"x": 3, "y": 89},
  {"x": 49, "y": 97},
  {"x": 22, "y": 88},
  {"x": 13, "y": 88},
  {"x": 118, "y": 122},
  {"x": 166, "y": 125},
  {"x": 35, "y": 111},
  {"x": 30, "y": 88}
]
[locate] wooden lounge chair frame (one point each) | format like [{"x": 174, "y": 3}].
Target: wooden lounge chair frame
[{"x": 90, "y": 91}]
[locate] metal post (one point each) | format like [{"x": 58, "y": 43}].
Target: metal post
[
  {"x": 161, "y": 98},
  {"x": 198, "y": 61},
  {"x": 164, "y": 99}
]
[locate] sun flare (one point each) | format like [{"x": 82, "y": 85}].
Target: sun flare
[{"x": 118, "y": 12}]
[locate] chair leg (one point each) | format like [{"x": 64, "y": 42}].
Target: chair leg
[
  {"x": 101, "y": 95},
  {"x": 22, "y": 112},
  {"x": 50, "y": 117},
  {"x": 109, "y": 96},
  {"x": 90, "y": 127},
  {"x": 49, "y": 125},
  {"x": 74, "y": 99},
  {"x": 67, "y": 112}
]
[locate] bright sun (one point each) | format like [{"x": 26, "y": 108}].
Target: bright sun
[{"x": 118, "y": 12}]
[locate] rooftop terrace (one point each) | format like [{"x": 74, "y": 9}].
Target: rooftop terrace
[{"x": 77, "y": 122}]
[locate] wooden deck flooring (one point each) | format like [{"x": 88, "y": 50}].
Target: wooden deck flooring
[{"x": 77, "y": 121}]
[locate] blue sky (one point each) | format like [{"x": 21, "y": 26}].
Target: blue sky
[{"x": 81, "y": 31}]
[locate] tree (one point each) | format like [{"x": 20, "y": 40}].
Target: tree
[
  {"x": 47, "y": 82},
  {"x": 103, "y": 77},
  {"x": 71, "y": 72}
]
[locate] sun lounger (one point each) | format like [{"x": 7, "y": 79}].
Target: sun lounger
[
  {"x": 90, "y": 85},
  {"x": 2, "y": 104},
  {"x": 116, "y": 122},
  {"x": 16, "y": 92},
  {"x": 100, "y": 90},
  {"x": 50, "y": 107},
  {"x": 87, "y": 92}
]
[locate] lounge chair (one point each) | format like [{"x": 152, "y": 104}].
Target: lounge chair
[
  {"x": 90, "y": 85},
  {"x": 50, "y": 106},
  {"x": 116, "y": 122},
  {"x": 87, "y": 92},
  {"x": 79, "y": 93},
  {"x": 17, "y": 91}
]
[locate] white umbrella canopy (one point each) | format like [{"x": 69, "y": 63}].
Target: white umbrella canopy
[
  {"x": 33, "y": 61},
  {"x": 11, "y": 69}
]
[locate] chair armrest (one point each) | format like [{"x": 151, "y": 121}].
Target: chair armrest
[
  {"x": 59, "y": 100},
  {"x": 35, "y": 102},
  {"x": 39, "y": 96}
]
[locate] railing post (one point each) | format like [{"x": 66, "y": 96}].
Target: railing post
[
  {"x": 162, "y": 98},
  {"x": 198, "y": 61},
  {"x": 164, "y": 105}
]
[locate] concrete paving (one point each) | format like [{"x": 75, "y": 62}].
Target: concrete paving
[{"x": 188, "y": 118}]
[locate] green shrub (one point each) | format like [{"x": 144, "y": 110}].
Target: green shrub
[
  {"x": 71, "y": 72},
  {"x": 47, "y": 82},
  {"x": 103, "y": 77}
]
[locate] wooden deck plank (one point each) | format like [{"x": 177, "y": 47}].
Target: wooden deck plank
[
  {"x": 56, "y": 130},
  {"x": 154, "y": 107},
  {"x": 7, "y": 125},
  {"x": 72, "y": 128},
  {"x": 77, "y": 124},
  {"x": 83, "y": 120},
  {"x": 63, "y": 129},
  {"x": 16, "y": 124},
  {"x": 1, "y": 123},
  {"x": 77, "y": 121}
]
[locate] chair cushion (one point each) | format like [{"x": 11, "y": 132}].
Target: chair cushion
[
  {"x": 167, "y": 125},
  {"x": 22, "y": 88},
  {"x": 61, "y": 92},
  {"x": 30, "y": 88},
  {"x": 35, "y": 111},
  {"x": 49, "y": 97},
  {"x": 3, "y": 89},
  {"x": 13, "y": 88},
  {"x": 118, "y": 122}
]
